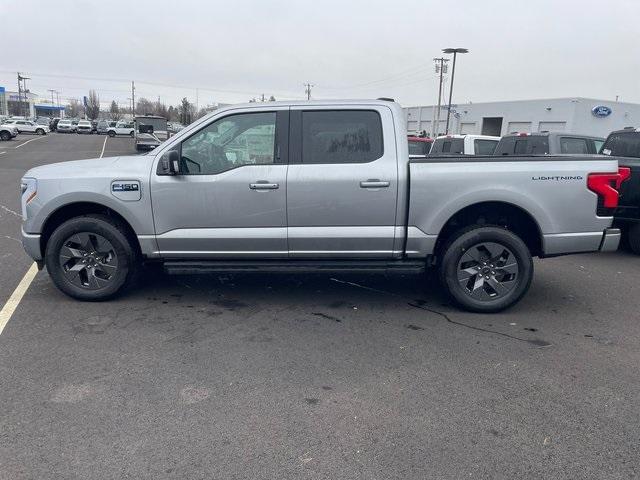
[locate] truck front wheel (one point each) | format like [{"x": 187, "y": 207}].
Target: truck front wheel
[
  {"x": 486, "y": 268},
  {"x": 91, "y": 258}
]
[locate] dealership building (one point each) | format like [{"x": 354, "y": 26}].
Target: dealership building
[
  {"x": 28, "y": 104},
  {"x": 578, "y": 115}
]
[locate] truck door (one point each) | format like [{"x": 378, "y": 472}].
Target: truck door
[
  {"x": 342, "y": 182},
  {"x": 229, "y": 199}
]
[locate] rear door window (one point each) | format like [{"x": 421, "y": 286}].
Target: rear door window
[
  {"x": 418, "y": 148},
  {"x": 484, "y": 147},
  {"x": 341, "y": 136},
  {"x": 447, "y": 146},
  {"x": 574, "y": 145}
]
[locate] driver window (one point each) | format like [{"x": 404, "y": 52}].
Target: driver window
[{"x": 230, "y": 142}]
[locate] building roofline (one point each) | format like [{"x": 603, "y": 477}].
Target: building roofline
[{"x": 579, "y": 99}]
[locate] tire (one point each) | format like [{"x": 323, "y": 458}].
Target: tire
[
  {"x": 131, "y": 134},
  {"x": 5, "y": 136},
  {"x": 111, "y": 133},
  {"x": 633, "y": 237},
  {"x": 486, "y": 269},
  {"x": 40, "y": 131},
  {"x": 90, "y": 258}
]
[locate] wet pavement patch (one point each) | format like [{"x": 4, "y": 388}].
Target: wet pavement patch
[
  {"x": 413, "y": 327},
  {"x": 229, "y": 303},
  {"x": 328, "y": 317}
]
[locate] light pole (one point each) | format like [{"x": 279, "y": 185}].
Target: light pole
[{"x": 455, "y": 52}]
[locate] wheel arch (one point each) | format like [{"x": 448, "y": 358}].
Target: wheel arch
[
  {"x": 79, "y": 209},
  {"x": 501, "y": 213}
]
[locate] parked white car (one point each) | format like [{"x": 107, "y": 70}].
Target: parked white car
[
  {"x": 121, "y": 128},
  {"x": 84, "y": 126},
  {"x": 8, "y": 131},
  {"x": 27, "y": 126},
  {"x": 65, "y": 126},
  {"x": 464, "y": 145}
]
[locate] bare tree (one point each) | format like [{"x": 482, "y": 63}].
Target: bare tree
[
  {"x": 161, "y": 110},
  {"x": 172, "y": 113},
  {"x": 93, "y": 105},
  {"x": 73, "y": 108},
  {"x": 145, "y": 106},
  {"x": 114, "y": 111}
]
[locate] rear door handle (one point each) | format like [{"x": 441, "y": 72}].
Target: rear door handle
[
  {"x": 263, "y": 185},
  {"x": 374, "y": 183}
]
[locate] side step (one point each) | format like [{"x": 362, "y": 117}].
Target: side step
[{"x": 191, "y": 267}]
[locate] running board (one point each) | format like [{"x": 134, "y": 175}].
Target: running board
[{"x": 190, "y": 267}]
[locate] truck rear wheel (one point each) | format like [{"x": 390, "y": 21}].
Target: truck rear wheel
[
  {"x": 91, "y": 258},
  {"x": 486, "y": 269},
  {"x": 633, "y": 236}
]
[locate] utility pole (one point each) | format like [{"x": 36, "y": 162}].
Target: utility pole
[
  {"x": 455, "y": 52},
  {"x": 441, "y": 68},
  {"x": 133, "y": 99},
  {"x": 52, "y": 104},
  {"x": 19, "y": 95},
  {"x": 262, "y": 98},
  {"x": 307, "y": 90}
]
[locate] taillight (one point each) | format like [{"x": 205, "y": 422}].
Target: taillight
[
  {"x": 624, "y": 173},
  {"x": 605, "y": 185}
]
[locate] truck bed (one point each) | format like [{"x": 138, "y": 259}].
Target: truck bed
[{"x": 551, "y": 189}]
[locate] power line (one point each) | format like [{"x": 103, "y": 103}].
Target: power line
[
  {"x": 398, "y": 75},
  {"x": 146, "y": 82}
]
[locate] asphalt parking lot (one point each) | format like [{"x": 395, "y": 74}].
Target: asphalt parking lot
[{"x": 297, "y": 376}]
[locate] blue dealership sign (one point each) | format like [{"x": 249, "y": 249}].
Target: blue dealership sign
[{"x": 601, "y": 111}]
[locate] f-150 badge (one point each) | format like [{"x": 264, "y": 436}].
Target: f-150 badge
[{"x": 127, "y": 190}]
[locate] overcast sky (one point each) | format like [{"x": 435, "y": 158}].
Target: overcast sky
[{"x": 234, "y": 50}]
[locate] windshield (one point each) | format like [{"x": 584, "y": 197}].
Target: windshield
[
  {"x": 622, "y": 144},
  {"x": 158, "y": 124}
]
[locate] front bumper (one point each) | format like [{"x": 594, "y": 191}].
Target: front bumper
[
  {"x": 31, "y": 245},
  {"x": 610, "y": 240}
]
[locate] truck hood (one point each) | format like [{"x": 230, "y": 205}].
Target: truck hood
[{"x": 134, "y": 166}]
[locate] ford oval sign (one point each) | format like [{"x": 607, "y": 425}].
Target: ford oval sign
[{"x": 601, "y": 111}]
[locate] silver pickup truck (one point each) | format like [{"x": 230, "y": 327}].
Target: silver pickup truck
[{"x": 314, "y": 186}]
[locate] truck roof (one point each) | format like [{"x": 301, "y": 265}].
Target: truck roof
[
  {"x": 548, "y": 134},
  {"x": 482, "y": 137},
  {"x": 296, "y": 103},
  {"x": 413, "y": 138}
]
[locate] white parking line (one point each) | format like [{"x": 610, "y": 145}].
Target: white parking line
[
  {"x": 104, "y": 145},
  {"x": 14, "y": 300},
  {"x": 2, "y": 153},
  {"x": 32, "y": 140}
]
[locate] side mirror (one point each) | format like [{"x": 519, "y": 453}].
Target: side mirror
[
  {"x": 171, "y": 163},
  {"x": 142, "y": 128}
]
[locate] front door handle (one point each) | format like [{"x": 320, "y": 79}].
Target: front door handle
[
  {"x": 374, "y": 183},
  {"x": 263, "y": 185}
]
